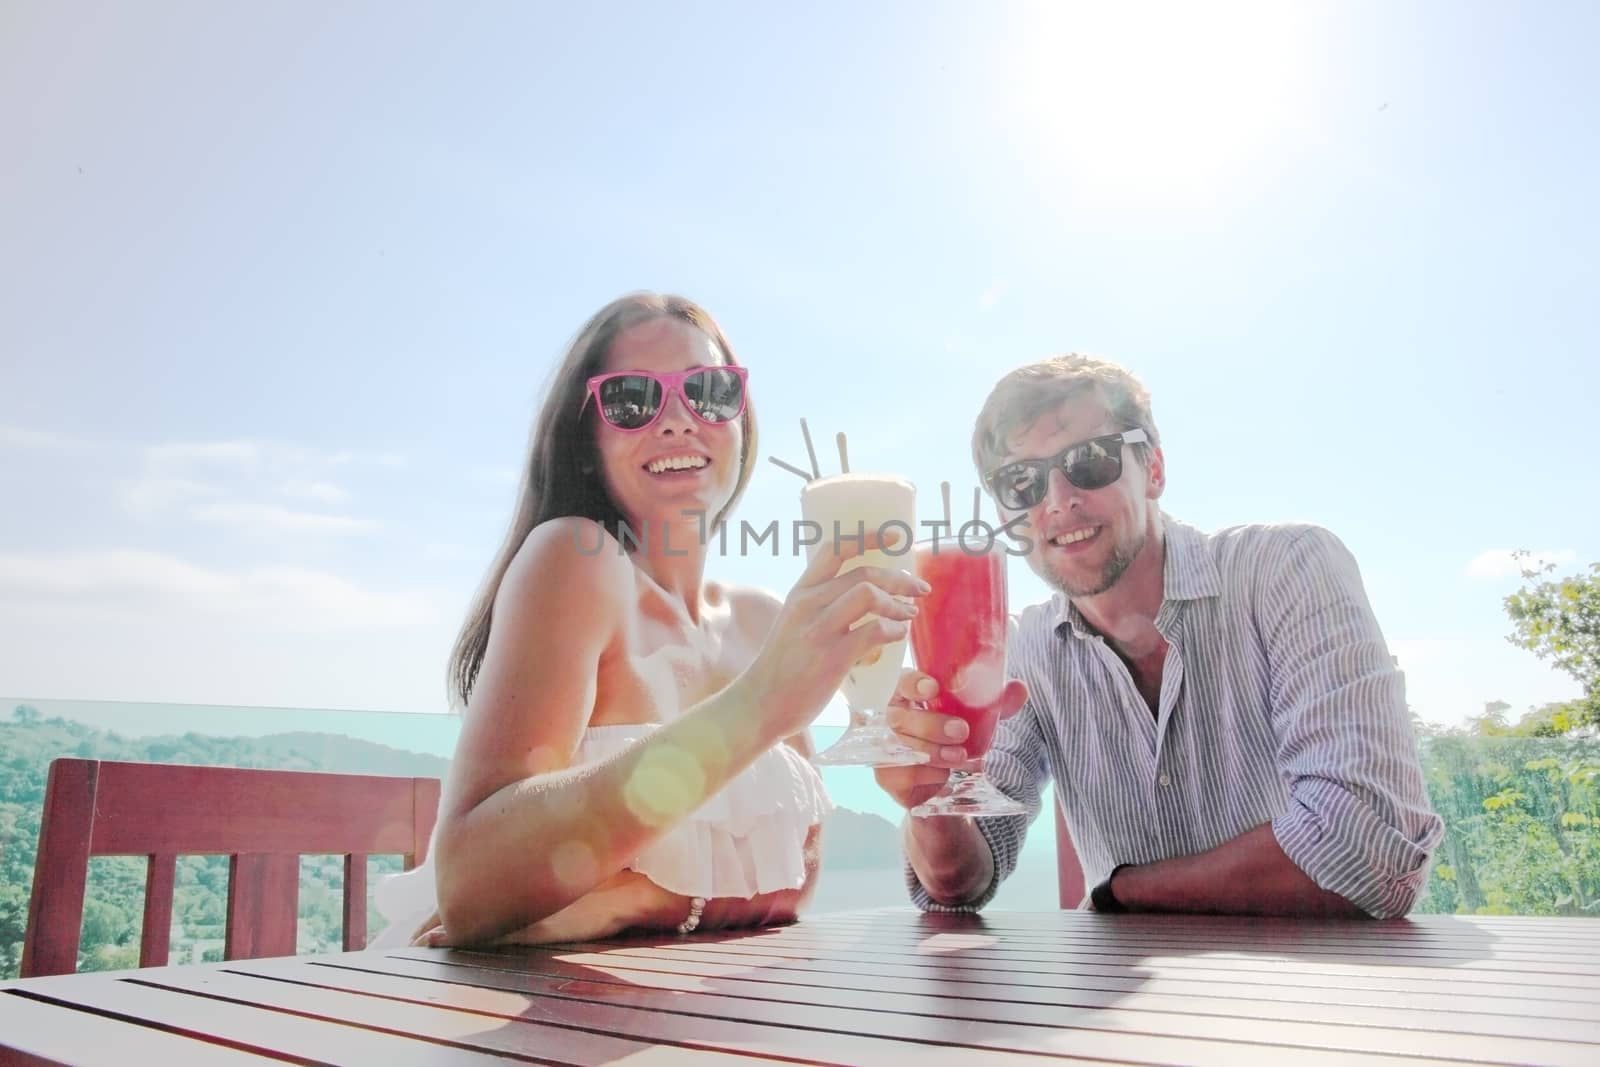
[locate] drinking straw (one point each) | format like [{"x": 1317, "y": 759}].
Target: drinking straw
[
  {"x": 977, "y": 503},
  {"x": 844, "y": 454},
  {"x": 790, "y": 467},
  {"x": 944, "y": 492},
  {"x": 816, "y": 471}
]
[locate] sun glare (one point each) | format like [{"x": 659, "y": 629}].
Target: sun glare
[{"x": 1163, "y": 101}]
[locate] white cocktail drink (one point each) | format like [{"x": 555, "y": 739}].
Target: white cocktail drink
[{"x": 843, "y": 507}]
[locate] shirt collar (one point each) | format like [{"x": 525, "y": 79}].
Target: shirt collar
[{"x": 1188, "y": 573}]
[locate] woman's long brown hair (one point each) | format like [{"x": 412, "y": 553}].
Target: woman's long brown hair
[{"x": 562, "y": 473}]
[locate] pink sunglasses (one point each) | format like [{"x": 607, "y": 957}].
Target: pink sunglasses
[{"x": 633, "y": 400}]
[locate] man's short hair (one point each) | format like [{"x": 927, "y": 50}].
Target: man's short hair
[{"x": 1032, "y": 390}]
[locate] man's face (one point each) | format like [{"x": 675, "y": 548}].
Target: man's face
[{"x": 1084, "y": 539}]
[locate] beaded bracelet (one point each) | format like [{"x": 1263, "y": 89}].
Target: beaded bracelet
[{"x": 696, "y": 906}]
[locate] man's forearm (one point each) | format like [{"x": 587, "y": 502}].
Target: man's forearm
[
  {"x": 1249, "y": 875},
  {"x": 950, "y": 857}
]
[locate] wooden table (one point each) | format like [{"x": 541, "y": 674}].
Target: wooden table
[{"x": 881, "y": 987}]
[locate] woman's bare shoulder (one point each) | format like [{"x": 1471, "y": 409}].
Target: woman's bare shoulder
[
  {"x": 566, "y": 558},
  {"x": 557, "y": 611}
]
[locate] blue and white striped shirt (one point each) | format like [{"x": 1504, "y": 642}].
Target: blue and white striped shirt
[{"x": 1279, "y": 703}]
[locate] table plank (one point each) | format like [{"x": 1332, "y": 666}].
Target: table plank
[
  {"x": 1388, "y": 939},
  {"x": 877, "y": 987},
  {"x": 1004, "y": 1020},
  {"x": 978, "y": 936},
  {"x": 1039, "y": 957},
  {"x": 1120, "y": 933},
  {"x": 1558, "y": 927},
  {"x": 807, "y": 1041},
  {"x": 983, "y": 1026},
  {"x": 1498, "y": 971},
  {"x": 1504, "y": 1017},
  {"x": 1566, "y": 1001},
  {"x": 253, "y": 1029},
  {"x": 38, "y": 1032},
  {"x": 289, "y": 986},
  {"x": 1445, "y": 934}
]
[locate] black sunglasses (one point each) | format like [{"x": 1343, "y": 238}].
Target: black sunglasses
[{"x": 1091, "y": 464}]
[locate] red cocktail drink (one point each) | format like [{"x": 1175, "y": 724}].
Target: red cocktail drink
[{"x": 959, "y": 635}]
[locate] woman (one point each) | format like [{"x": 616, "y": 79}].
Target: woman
[{"x": 622, "y": 762}]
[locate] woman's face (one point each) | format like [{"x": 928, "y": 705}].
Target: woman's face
[{"x": 679, "y": 465}]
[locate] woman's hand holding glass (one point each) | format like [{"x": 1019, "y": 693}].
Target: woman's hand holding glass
[{"x": 815, "y": 639}]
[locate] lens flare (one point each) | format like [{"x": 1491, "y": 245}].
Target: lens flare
[
  {"x": 668, "y": 783},
  {"x": 573, "y": 864}
]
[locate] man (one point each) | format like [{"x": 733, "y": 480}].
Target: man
[{"x": 1225, "y": 727}]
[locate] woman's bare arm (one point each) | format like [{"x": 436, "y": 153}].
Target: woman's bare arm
[
  {"x": 522, "y": 833},
  {"x": 754, "y": 611},
  {"x": 511, "y": 844}
]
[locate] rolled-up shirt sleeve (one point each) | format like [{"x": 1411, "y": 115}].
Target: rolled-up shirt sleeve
[
  {"x": 1016, "y": 765},
  {"x": 1358, "y": 822}
]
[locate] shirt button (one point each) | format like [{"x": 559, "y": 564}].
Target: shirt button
[{"x": 1164, "y": 780}]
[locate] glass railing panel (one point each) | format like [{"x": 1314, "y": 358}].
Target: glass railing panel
[{"x": 1523, "y": 818}]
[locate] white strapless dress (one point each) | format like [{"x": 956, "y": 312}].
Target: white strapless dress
[{"x": 746, "y": 840}]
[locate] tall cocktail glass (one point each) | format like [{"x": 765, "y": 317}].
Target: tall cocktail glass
[
  {"x": 849, "y": 506},
  {"x": 959, "y": 637}
]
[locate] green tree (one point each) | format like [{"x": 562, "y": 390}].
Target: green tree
[
  {"x": 1558, "y": 619},
  {"x": 1493, "y": 722},
  {"x": 1522, "y": 818}
]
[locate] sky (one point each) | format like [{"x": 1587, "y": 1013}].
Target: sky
[{"x": 281, "y": 286}]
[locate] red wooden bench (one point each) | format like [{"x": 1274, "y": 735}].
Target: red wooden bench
[
  {"x": 263, "y": 820},
  {"x": 1069, "y": 872}
]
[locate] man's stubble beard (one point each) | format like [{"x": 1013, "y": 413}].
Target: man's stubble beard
[{"x": 1122, "y": 558}]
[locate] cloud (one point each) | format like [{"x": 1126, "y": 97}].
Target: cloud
[
  {"x": 130, "y": 582},
  {"x": 278, "y": 519},
  {"x": 326, "y": 492},
  {"x": 245, "y": 452},
  {"x": 21, "y": 437},
  {"x": 231, "y": 453},
  {"x": 147, "y": 497},
  {"x": 500, "y": 477},
  {"x": 1499, "y": 563},
  {"x": 314, "y": 596},
  {"x": 991, "y": 296},
  {"x": 263, "y": 485},
  {"x": 115, "y": 573},
  {"x": 448, "y": 553},
  {"x": 371, "y": 459}
]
